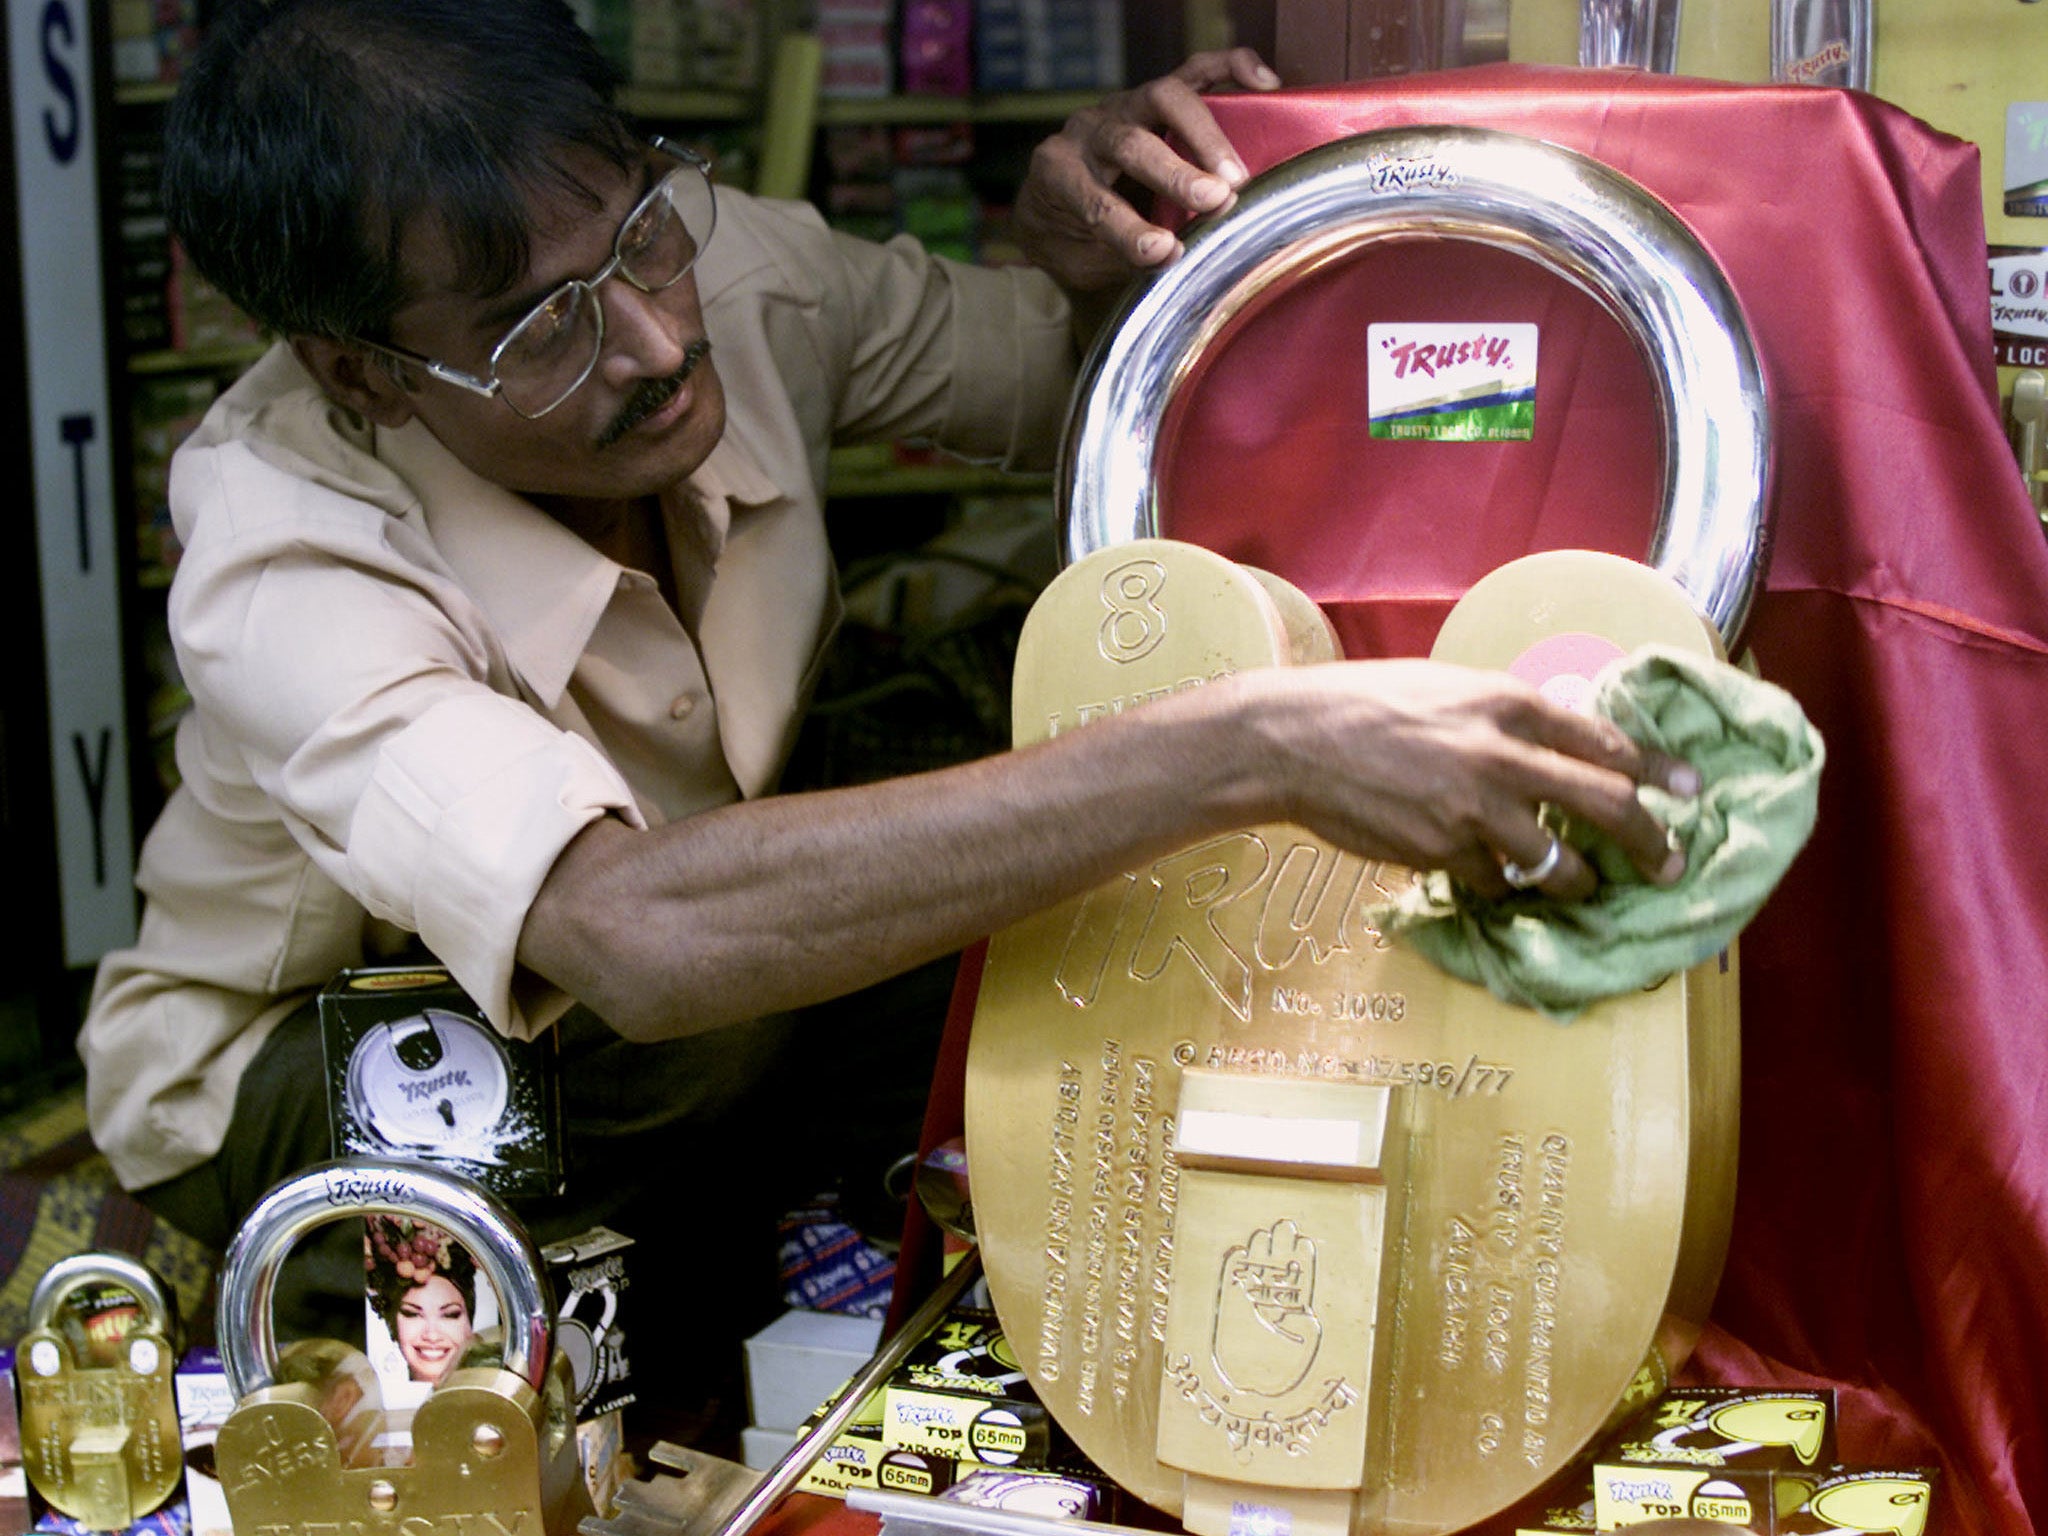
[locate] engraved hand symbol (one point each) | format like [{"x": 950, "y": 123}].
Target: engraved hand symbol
[{"x": 1267, "y": 1333}]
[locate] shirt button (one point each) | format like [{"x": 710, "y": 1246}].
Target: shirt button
[{"x": 684, "y": 706}]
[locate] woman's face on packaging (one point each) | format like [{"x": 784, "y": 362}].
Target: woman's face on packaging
[{"x": 432, "y": 1325}]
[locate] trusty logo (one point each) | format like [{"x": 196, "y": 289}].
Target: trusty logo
[
  {"x": 1634, "y": 1493},
  {"x": 415, "y": 1092},
  {"x": 1427, "y": 359},
  {"x": 358, "y": 1189},
  {"x": 1388, "y": 173},
  {"x": 1807, "y": 70}
]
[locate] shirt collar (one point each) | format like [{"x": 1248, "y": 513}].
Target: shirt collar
[
  {"x": 728, "y": 477},
  {"x": 542, "y": 588}
]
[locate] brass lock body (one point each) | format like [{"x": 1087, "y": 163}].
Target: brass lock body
[
  {"x": 99, "y": 1419},
  {"x": 1286, "y": 1225},
  {"x": 493, "y": 1447}
]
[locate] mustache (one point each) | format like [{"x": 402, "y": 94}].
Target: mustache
[{"x": 652, "y": 394}]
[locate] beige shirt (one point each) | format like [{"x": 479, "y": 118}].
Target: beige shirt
[{"x": 412, "y": 688}]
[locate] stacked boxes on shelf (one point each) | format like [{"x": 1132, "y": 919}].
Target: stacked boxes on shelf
[
  {"x": 856, "y": 38},
  {"x": 142, "y": 235},
  {"x": 957, "y": 47},
  {"x": 658, "y": 44},
  {"x": 707, "y": 45},
  {"x": 938, "y": 58},
  {"x": 1048, "y": 45},
  {"x": 795, "y": 1366},
  {"x": 712, "y": 45},
  {"x": 905, "y": 180},
  {"x": 727, "y": 45},
  {"x": 956, "y": 1418},
  {"x": 860, "y": 191},
  {"x": 165, "y": 303},
  {"x": 934, "y": 199}
]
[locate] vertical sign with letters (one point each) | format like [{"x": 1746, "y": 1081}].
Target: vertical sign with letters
[{"x": 50, "y": 56}]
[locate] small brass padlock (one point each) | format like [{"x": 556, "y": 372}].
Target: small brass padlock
[
  {"x": 493, "y": 1447},
  {"x": 99, "y": 1419}
]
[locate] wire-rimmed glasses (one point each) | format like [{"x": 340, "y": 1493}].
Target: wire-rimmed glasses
[{"x": 545, "y": 358}]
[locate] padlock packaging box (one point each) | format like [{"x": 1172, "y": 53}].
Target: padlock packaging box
[
  {"x": 415, "y": 1071},
  {"x": 590, "y": 1277},
  {"x": 1758, "y": 1499},
  {"x": 13, "y": 1477},
  {"x": 1865, "y": 1501},
  {"x": 1548, "y": 1515},
  {"x": 1730, "y": 1427},
  {"x": 1057, "y": 1494},
  {"x": 801, "y": 1360},
  {"x": 961, "y": 1393},
  {"x": 860, "y": 1458},
  {"x": 204, "y": 1403},
  {"x": 1732, "y": 1454}
]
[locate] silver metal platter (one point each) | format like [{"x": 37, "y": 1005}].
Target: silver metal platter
[{"x": 1560, "y": 209}]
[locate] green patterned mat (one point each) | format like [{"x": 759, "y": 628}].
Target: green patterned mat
[{"x": 58, "y": 1197}]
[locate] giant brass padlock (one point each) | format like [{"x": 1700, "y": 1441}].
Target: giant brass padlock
[
  {"x": 1291, "y": 1230},
  {"x": 493, "y": 1447},
  {"x": 99, "y": 1439}
]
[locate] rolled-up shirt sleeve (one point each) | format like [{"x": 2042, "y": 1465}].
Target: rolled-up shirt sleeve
[
  {"x": 1013, "y": 365},
  {"x": 362, "y": 694},
  {"x": 466, "y": 809}
]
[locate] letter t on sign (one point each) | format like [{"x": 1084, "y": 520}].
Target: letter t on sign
[{"x": 77, "y": 431}]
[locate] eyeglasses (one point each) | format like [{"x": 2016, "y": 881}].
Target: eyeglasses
[{"x": 545, "y": 358}]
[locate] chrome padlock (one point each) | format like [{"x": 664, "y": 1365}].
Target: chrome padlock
[
  {"x": 493, "y": 1447},
  {"x": 99, "y": 1426}
]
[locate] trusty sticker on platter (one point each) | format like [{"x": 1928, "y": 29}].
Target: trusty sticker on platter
[{"x": 1451, "y": 383}]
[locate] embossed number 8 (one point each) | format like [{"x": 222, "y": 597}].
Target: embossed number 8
[{"x": 1136, "y": 623}]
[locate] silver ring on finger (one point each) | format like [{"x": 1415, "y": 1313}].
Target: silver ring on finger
[{"x": 1522, "y": 877}]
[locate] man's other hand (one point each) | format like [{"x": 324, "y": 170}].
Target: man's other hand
[{"x": 1074, "y": 215}]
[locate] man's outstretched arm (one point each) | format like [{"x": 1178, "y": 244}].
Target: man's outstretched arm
[{"x": 786, "y": 901}]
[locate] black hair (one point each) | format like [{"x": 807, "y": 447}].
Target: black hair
[{"x": 308, "y": 135}]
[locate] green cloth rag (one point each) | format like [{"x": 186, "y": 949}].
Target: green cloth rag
[{"x": 1759, "y": 761}]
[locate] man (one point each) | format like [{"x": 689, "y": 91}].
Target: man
[{"x": 505, "y": 576}]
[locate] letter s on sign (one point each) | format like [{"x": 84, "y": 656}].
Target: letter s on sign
[{"x": 59, "y": 33}]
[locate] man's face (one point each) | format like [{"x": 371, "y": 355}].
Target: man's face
[{"x": 629, "y": 430}]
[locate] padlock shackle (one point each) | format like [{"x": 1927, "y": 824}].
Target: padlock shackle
[
  {"x": 379, "y": 1187},
  {"x": 67, "y": 1275},
  {"x": 1562, "y": 210}
]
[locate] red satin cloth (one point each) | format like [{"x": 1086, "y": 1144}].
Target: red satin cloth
[{"x": 1891, "y": 1228}]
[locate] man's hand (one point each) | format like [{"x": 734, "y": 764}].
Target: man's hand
[
  {"x": 1445, "y": 767},
  {"x": 1073, "y": 217}
]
